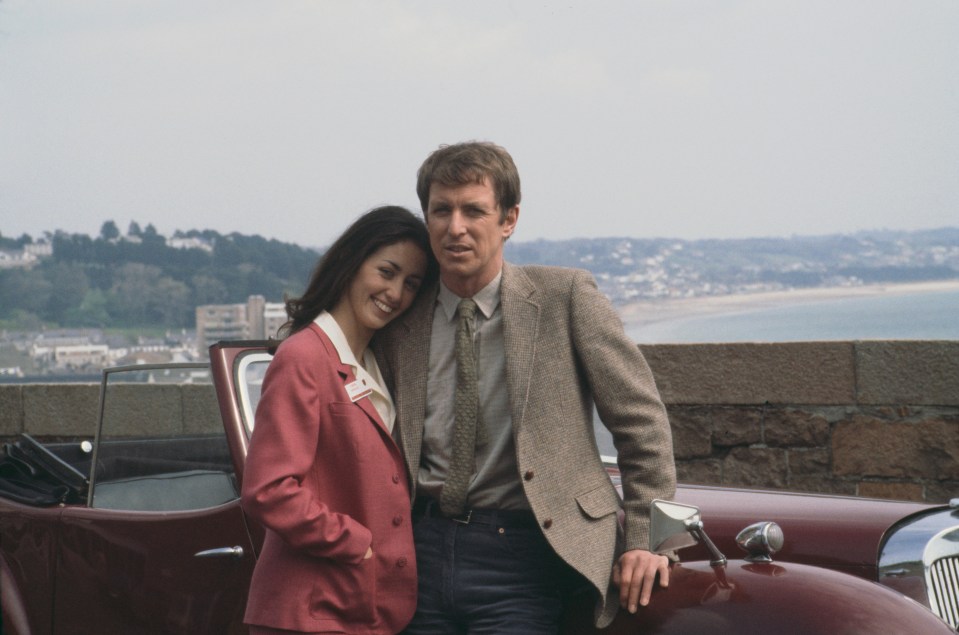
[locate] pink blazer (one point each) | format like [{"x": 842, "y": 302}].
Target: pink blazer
[{"x": 327, "y": 481}]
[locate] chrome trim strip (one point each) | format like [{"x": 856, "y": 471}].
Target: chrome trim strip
[{"x": 243, "y": 384}]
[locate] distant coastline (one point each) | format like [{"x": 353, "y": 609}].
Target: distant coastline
[{"x": 645, "y": 312}]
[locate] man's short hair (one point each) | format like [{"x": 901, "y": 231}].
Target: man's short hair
[{"x": 467, "y": 163}]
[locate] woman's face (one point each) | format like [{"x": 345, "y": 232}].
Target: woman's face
[{"x": 384, "y": 286}]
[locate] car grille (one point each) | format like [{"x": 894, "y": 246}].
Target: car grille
[{"x": 943, "y": 579}]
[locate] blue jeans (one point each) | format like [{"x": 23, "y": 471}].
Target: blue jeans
[{"x": 495, "y": 576}]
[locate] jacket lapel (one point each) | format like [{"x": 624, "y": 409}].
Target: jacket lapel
[
  {"x": 408, "y": 357},
  {"x": 410, "y": 361},
  {"x": 347, "y": 376},
  {"x": 521, "y": 313},
  {"x": 365, "y": 404}
]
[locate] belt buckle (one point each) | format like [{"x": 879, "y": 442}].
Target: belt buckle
[{"x": 461, "y": 520}]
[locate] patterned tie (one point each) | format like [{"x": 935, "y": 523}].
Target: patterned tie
[{"x": 465, "y": 411}]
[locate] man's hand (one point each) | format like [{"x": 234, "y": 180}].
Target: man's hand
[{"x": 635, "y": 575}]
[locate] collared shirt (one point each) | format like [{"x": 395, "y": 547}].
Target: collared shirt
[
  {"x": 368, "y": 373},
  {"x": 495, "y": 484}
]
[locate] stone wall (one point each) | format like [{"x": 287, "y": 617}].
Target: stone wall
[{"x": 872, "y": 418}]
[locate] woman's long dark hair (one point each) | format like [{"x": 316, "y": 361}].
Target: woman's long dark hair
[{"x": 379, "y": 227}]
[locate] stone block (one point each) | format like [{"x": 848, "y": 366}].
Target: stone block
[
  {"x": 708, "y": 472},
  {"x": 60, "y": 410},
  {"x": 921, "y": 373},
  {"x": 749, "y": 373},
  {"x": 737, "y": 426},
  {"x": 11, "y": 410},
  {"x": 941, "y": 491},
  {"x": 866, "y": 446},
  {"x": 891, "y": 490},
  {"x": 755, "y": 467},
  {"x": 809, "y": 462},
  {"x": 796, "y": 428},
  {"x": 692, "y": 432}
]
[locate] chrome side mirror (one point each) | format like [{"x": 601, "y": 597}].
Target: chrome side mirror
[
  {"x": 675, "y": 526},
  {"x": 667, "y": 526}
]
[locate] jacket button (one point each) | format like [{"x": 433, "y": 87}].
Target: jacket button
[
  {"x": 529, "y": 475},
  {"x": 397, "y": 520},
  {"x": 401, "y": 562},
  {"x": 396, "y": 478},
  {"x": 547, "y": 523}
]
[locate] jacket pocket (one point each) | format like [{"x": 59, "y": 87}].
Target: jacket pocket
[
  {"x": 599, "y": 501},
  {"x": 345, "y": 592}
]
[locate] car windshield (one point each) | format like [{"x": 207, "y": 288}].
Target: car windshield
[{"x": 161, "y": 444}]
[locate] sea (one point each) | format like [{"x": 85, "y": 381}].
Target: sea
[{"x": 932, "y": 315}]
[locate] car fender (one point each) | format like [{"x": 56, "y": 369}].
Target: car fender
[{"x": 745, "y": 598}]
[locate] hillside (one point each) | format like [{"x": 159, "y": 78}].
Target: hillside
[
  {"x": 144, "y": 279},
  {"x": 630, "y": 268}
]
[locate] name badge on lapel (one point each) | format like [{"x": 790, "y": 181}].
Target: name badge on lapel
[{"x": 358, "y": 389}]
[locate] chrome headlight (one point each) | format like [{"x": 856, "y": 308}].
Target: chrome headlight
[{"x": 760, "y": 541}]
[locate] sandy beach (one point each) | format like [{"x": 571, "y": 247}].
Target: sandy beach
[{"x": 644, "y": 312}]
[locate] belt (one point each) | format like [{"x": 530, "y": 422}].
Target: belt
[{"x": 426, "y": 507}]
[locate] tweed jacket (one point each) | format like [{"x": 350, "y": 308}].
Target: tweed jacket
[
  {"x": 566, "y": 350},
  {"x": 325, "y": 478}
]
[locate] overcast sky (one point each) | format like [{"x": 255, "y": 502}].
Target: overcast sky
[{"x": 698, "y": 119}]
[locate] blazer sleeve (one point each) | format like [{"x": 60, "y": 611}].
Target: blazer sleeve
[
  {"x": 279, "y": 479},
  {"x": 628, "y": 403}
]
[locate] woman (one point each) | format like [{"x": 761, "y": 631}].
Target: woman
[{"x": 323, "y": 474}]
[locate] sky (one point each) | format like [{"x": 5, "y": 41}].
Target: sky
[{"x": 643, "y": 118}]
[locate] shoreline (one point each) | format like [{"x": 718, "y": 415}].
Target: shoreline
[{"x": 642, "y": 313}]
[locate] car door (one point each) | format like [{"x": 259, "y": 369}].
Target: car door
[
  {"x": 162, "y": 545},
  {"x": 238, "y": 369}
]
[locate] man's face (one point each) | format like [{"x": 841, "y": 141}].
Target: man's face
[{"x": 466, "y": 234}]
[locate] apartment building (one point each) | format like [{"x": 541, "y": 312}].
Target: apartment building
[{"x": 257, "y": 319}]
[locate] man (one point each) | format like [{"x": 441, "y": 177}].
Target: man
[{"x": 539, "y": 508}]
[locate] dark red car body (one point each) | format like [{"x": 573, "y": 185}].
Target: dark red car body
[{"x": 95, "y": 567}]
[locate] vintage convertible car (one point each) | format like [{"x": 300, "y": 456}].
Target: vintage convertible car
[{"x": 138, "y": 529}]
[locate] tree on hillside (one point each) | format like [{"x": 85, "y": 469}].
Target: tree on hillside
[
  {"x": 25, "y": 289},
  {"x": 109, "y": 231},
  {"x": 10, "y": 243},
  {"x": 93, "y": 310},
  {"x": 105, "y": 282},
  {"x": 132, "y": 283},
  {"x": 168, "y": 304},
  {"x": 207, "y": 289},
  {"x": 72, "y": 247},
  {"x": 68, "y": 287},
  {"x": 142, "y": 294}
]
